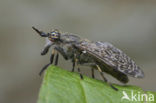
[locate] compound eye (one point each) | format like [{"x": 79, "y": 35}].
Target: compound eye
[{"x": 53, "y": 34}]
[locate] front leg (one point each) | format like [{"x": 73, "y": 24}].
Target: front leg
[
  {"x": 46, "y": 47},
  {"x": 56, "y": 59},
  {"x": 62, "y": 52},
  {"x": 51, "y": 61},
  {"x": 44, "y": 68}
]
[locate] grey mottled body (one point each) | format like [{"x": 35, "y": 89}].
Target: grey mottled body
[{"x": 94, "y": 54}]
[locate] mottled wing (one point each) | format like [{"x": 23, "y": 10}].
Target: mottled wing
[{"x": 112, "y": 57}]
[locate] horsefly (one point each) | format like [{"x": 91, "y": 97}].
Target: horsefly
[{"x": 102, "y": 56}]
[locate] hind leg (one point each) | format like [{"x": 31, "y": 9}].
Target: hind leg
[{"x": 99, "y": 69}]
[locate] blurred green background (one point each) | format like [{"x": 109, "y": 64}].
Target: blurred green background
[{"x": 128, "y": 24}]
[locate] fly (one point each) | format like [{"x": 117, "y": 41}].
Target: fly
[{"x": 102, "y": 56}]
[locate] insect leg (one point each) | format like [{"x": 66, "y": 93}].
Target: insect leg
[
  {"x": 61, "y": 51},
  {"x": 44, "y": 68},
  {"x": 73, "y": 67},
  {"x": 46, "y": 47},
  {"x": 81, "y": 76},
  {"x": 92, "y": 70},
  {"x": 52, "y": 56},
  {"x": 56, "y": 59},
  {"x": 51, "y": 62},
  {"x": 40, "y": 32},
  {"x": 76, "y": 61},
  {"x": 99, "y": 69}
]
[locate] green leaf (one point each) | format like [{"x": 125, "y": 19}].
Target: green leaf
[{"x": 61, "y": 86}]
